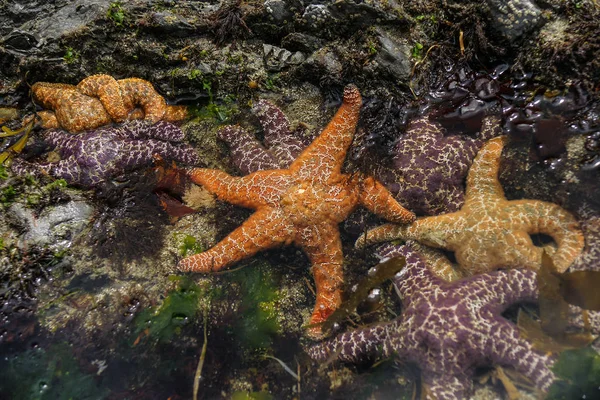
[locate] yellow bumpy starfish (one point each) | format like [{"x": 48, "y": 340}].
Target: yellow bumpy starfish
[
  {"x": 301, "y": 205},
  {"x": 100, "y": 100},
  {"x": 490, "y": 232}
]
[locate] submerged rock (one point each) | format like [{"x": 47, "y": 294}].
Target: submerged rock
[{"x": 55, "y": 226}]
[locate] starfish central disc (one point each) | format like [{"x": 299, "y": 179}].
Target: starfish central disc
[{"x": 303, "y": 205}]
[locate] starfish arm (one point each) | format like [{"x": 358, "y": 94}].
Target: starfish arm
[
  {"x": 323, "y": 246},
  {"x": 49, "y": 120},
  {"x": 251, "y": 191},
  {"x": 446, "y": 386},
  {"x": 282, "y": 143},
  {"x": 139, "y": 153},
  {"x": 107, "y": 90},
  {"x": 161, "y": 130},
  {"x": 175, "y": 113},
  {"x": 138, "y": 92},
  {"x": 21, "y": 167},
  {"x": 491, "y": 127},
  {"x": 69, "y": 170},
  {"x": 246, "y": 152},
  {"x": 506, "y": 348},
  {"x": 324, "y": 157},
  {"x": 377, "y": 199},
  {"x": 351, "y": 346},
  {"x": 552, "y": 220},
  {"x": 264, "y": 229},
  {"x": 50, "y": 95},
  {"x": 496, "y": 291},
  {"x": 482, "y": 181},
  {"x": 436, "y": 231}
]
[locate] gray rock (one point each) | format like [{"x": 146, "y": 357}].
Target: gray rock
[
  {"x": 278, "y": 10},
  {"x": 325, "y": 63},
  {"x": 345, "y": 16},
  {"x": 20, "y": 42},
  {"x": 301, "y": 42},
  {"x": 513, "y": 18},
  {"x": 317, "y": 17},
  {"x": 56, "y": 226},
  {"x": 70, "y": 18},
  {"x": 393, "y": 56},
  {"x": 171, "y": 23},
  {"x": 277, "y": 58}
]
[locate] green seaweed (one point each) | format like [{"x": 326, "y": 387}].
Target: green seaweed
[
  {"x": 39, "y": 374},
  {"x": 578, "y": 375},
  {"x": 116, "y": 13},
  {"x": 262, "y": 395},
  {"x": 258, "y": 313},
  {"x": 190, "y": 246},
  {"x": 177, "y": 310}
]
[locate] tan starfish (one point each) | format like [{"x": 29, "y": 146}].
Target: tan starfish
[
  {"x": 490, "y": 232},
  {"x": 100, "y": 100},
  {"x": 301, "y": 205}
]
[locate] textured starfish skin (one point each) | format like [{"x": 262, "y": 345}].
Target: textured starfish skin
[
  {"x": 281, "y": 146},
  {"x": 429, "y": 168},
  {"x": 100, "y": 100},
  {"x": 449, "y": 329},
  {"x": 302, "y": 205},
  {"x": 490, "y": 232},
  {"x": 589, "y": 260},
  {"x": 93, "y": 157}
]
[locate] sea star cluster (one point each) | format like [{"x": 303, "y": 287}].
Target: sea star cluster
[
  {"x": 90, "y": 158},
  {"x": 281, "y": 145},
  {"x": 429, "y": 168},
  {"x": 302, "y": 204},
  {"x": 448, "y": 329},
  {"x": 100, "y": 100},
  {"x": 490, "y": 232}
]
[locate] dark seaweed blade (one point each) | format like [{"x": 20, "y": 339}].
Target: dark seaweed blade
[
  {"x": 376, "y": 276},
  {"x": 581, "y": 288}
]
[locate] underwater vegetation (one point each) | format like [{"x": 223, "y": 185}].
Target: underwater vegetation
[{"x": 43, "y": 374}]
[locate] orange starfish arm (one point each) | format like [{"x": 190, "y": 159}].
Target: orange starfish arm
[
  {"x": 264, "y": 229},
  {"x": 251, "y": 191},
  {"x": 49, "y": 120},
  {"x": 324, "y": 157},
  {"x": 323, "y": 246},
  {"x": 49, "y": 95},
  {"x": 138, "y": 92},
  {"x": 552, "y": 220},
  {"x": 175, "y": 113},
  {"x": 483, "y": 186},
  {"x": 107, "y": 90},
  {"x": 377, "y": 199},
  {"x": 433, "y": 231}
]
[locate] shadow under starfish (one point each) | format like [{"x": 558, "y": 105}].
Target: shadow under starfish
[{"x": 300, "y": 205}]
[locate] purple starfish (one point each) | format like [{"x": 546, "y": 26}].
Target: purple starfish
[
  {"x": 449, "y": 329},
  {"x": 89, "y": 158},
  {"x": 281, "y": 146},
  {"x": 429, "y": 168},
  {"x": 589, "y": 260}
]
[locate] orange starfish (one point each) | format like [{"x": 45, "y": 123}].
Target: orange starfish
[
  {"x": 302, "y": 205},
  {"x": 490, "y": 232},
  {"x": 100, "y": 100}
]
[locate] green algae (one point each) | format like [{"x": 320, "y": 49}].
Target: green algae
[
  {"x": 258, "y": 322},
  {"x": 39, "y": 374},
  {"x": 578, "y": 375},
  {"x": 178, "y": 309},
  {"x": 190, "y": 246},
  {"x": 251, "y": 396}
]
